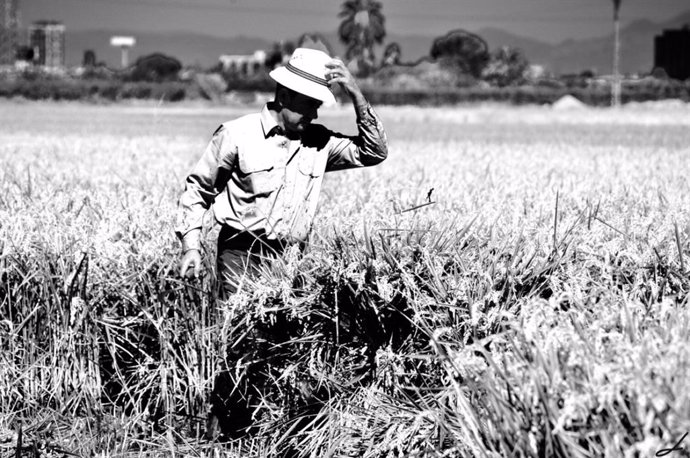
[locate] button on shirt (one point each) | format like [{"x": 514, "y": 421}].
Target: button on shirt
[{"x": 257, "y": 179}]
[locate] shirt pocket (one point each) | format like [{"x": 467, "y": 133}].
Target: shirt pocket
[
  {"x": 259, "y": 174},
  {"x": 312, "y": 163}
]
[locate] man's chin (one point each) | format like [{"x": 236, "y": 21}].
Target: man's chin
[{"x": 299, "y": 127}]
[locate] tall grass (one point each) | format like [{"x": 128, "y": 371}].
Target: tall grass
[{"x": 538, "y": 307}]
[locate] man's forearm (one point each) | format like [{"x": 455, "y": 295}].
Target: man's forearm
[
  {"x": 191, "y": 240},
  {"x": 190, "y": 216},
  {"x": 360, "y": 103},
  {"x": 371, "y": 130}
]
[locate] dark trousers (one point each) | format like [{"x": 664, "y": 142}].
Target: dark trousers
[{"x": 240, "y": 256}]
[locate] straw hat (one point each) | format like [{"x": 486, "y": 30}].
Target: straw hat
[{"x": 305, "y": 73}]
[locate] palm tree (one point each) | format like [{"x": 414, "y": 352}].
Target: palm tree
[
  {"x": 362, "y": 26},
  {"x": 616, "y": 87}
]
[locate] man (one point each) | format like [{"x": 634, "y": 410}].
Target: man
[{"x": 262, "y": 172}]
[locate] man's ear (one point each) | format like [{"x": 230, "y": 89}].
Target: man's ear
[{"x": 282, "y": 96}]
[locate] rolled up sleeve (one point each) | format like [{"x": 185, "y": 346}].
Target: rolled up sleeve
[
  {"x": 369, "y": 147},
  {"x": 208, "y": 179}
]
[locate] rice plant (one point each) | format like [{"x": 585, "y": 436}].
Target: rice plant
[{"x": 536, "y": 306}]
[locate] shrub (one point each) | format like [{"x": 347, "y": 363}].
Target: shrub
[
  {"x": 536, "y": 94},
  {"x": 155, "y": 67},
  {"x": 76, "y": 89},
  {"x": 506, "y": 67},
  {"x": 422, "y": 75},
  {"x": 259, "y": 82},
  {"x": 424, "y": 83},
  {"x": 109, "y": 92},
  {"x": 173, "y": 92},
  {"x": 136, "y": 91}
]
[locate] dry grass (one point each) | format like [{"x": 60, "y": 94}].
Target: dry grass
[{"x": 537, "y": 308}]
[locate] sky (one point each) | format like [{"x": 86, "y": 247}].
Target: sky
[{"x": 552, "y": 21}]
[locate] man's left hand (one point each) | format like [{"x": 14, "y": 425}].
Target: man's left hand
[{"x": 338, "y": 73}]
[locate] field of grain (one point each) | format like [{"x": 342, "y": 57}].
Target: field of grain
[{"x": 538, "y": 307}]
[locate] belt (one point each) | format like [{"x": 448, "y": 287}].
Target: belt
[{"x": 254, "y": 241}]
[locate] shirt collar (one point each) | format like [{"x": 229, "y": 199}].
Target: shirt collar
[{"x": 269, "y": 124}]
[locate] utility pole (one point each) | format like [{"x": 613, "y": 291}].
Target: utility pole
[{"x": 616, "y": 84}]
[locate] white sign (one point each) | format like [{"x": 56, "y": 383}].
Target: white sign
[{"x": 122, "y": 41}]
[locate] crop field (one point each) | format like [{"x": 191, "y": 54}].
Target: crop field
[{"x": 534, "y": 304}]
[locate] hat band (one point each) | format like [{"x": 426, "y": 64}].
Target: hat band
[{"x": 306, "y": 75}]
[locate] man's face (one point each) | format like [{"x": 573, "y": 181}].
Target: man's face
[{"x": 298, "y": 111}]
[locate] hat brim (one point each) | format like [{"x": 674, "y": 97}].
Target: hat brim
[{"x": 282, "y": 75}]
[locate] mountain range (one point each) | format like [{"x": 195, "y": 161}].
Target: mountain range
[{"x": 569, "y": 56}]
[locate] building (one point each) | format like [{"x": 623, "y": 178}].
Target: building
[
  {"x": 244, "y": 65},
  {"x": 672, "y": 53},
  {"x": 8, "y": 31},
  {"x": 47, "y": 38}
]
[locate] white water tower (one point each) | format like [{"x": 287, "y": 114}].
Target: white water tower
[{"x": 124, "y": 43}]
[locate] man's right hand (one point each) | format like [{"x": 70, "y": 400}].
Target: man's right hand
[{"x": 191, "y": 259}]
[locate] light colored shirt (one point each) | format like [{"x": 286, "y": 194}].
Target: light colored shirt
[{"x": 256, "y": 179}]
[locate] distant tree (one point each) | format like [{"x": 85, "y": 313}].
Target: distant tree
[
  {"x": 588, "y": 73},
  {"x": 659, "y": 73},
  {"x": 314, "y": 40},
  {"x": 391, "y": 55},
  {"x": 461, "y": 49},
  {"x": 89, "y": 59},
  {"x": 616, "y": 86},
  {"x": 274, "y": 57},
  {"x": 280, "y": 52},
  {"x": 155, "y": 67},
  {"x": 362, "y": 27},
  {"x": 288, "y": 47},
  {"x": 507, "y": 66}
]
